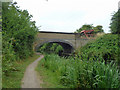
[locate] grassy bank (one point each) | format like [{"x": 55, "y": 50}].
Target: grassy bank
[
  {"x": 50, "y": 79},
  {"x": 58, "y": 72},
  {"x": 13, "y": 79}
]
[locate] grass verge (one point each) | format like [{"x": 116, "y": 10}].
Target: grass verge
[
  {"x": 13, "y": 80},
  {"x": 59, "y": 72},
  {"x": 50, "y": 79}
]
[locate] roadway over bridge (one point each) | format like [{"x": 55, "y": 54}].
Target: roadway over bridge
[{"x": 69, "y": 41}]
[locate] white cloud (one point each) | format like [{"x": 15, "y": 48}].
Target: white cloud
[{"x": 69, "y": 15}]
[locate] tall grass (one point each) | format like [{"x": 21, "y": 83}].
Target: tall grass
[{"x": 82, "y": 73}]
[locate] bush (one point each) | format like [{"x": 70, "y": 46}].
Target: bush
[{"x": 103, "y": 48}]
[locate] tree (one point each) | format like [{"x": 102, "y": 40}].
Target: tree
[
  {"x": 18, "y": 34},
  {"x": 19, "y": 29},
  {"x": 85, "y": 27},
  {"x": 115, "y": 23},
  {"x": 97, "y": 29}
]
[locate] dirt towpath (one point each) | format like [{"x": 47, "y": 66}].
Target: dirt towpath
[{"x": 31, "y": 79}]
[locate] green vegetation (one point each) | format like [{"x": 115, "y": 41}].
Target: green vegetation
[
  {"x": 103, "y": 48},
  {"x": 97, "y": 29},
  {"x": 93, "y": 66},
  {"x": 115, "y": 23},
  {"x": 51, "y": 48},
  {"x": 18, "y": 35},
  {"x": 13, "y": 80},
  {"x": 50, "y": 79},
  {"x": 0, "y": 60},
  {"x": 78, "y": 73}
]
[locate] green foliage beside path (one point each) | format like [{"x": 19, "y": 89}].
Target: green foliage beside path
[
  {"x": 14, "y": 78},
  {"x": 77, "y": 73},
  {"x": 18, "y": 35}
]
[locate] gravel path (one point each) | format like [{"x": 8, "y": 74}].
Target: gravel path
[{"x": 31, "y": 79}]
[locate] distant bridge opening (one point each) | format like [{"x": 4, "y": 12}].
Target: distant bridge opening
[{"x": 67, "y": 48}]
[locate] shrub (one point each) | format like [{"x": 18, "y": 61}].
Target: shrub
[{"x": 103, "y": 48}]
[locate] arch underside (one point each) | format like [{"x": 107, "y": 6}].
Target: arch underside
[{"x": 67, "y": 46}]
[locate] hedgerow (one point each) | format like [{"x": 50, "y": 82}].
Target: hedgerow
[{"x": 18, "y": 35}]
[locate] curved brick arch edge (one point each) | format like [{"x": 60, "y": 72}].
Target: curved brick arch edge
[{"x": 55, "y": 41}]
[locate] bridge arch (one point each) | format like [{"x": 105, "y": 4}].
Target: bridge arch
[{"x": 67, "y": 46}]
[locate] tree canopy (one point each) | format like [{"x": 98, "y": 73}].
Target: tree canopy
[
  {"x": 96, "y": 29},
  {"x": 115, "y": 23}
]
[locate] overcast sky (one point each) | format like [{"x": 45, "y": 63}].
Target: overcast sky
[{"x": 69, "y": 15}]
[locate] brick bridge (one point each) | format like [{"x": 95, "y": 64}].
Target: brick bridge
[{"x": 69, "y": 41}]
